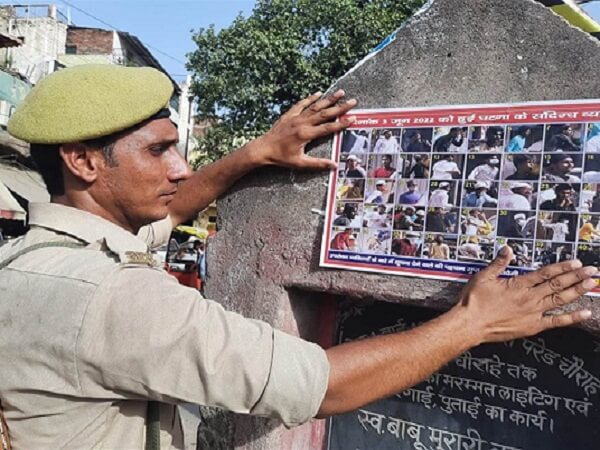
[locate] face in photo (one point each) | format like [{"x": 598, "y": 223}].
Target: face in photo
[
  {"x": 522, "y": 251},
  {"x": 407, "y": 243},
  {"x": 486, "y": 139},
  {"x": 562, "y": 168},
  {"x": 546, "y": 253},
  {"x": 516, "y": 224},
  {"x": 440, "y": 246},
  {"x": 480, "y": 194},
  {"x": 386, "y": 141},
  {"x": 356, "y": 141},
  {"x": 563, "y": 137},
  {"x": 473, "y": 248},
  {"x": 524, "y": 138},
  {"x": 417, "y": 140},
  {"x": 450, "y": 139},
  {"x": 522, "y": 166}
]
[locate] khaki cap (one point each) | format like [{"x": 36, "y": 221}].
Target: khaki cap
[{"x": 88, "y": 102}]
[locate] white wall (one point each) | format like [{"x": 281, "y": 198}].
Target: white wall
[{"x": 44, "y": 41}]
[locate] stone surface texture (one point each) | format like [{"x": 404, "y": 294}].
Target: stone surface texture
[{"x": 263, "y": 261}]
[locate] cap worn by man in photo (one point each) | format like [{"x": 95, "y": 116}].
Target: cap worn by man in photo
[
  {"x": 380, "y": 183},
  {"x": 519, "y": 185},
  {"x": 89, "y": 102},
  {"x": 352, "y": 158}
]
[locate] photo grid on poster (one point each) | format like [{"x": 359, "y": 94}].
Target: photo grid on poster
[{"x": 441, "y": 201}]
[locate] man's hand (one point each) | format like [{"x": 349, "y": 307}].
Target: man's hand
[
  {"x": 501, "y": 309},
  {"x": 309, "y": 119},
  {"x": 283, "y": 145},
  {"x": 490, "y": 309}
]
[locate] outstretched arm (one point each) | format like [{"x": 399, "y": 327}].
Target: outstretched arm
[
  {"x": 490, "y": 309},
  {"x": 283, "y": 145}
]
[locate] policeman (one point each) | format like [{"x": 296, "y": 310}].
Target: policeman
[{"x": 98, "y": 345}]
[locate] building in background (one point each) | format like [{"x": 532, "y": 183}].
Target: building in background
[
  {"x": 85, "y": 45},
  {"x": 36, "y": 40}
]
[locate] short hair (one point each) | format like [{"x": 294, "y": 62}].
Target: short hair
[
  {"x": 562, "y": 187},
  {"x": 48, "y": 162},
  {"x": 520, "y": 159}
]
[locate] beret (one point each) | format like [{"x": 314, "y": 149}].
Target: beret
[{"x": 89, "y": 101}]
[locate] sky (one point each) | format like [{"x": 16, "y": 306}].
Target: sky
[{"x": 164, "y": 26}]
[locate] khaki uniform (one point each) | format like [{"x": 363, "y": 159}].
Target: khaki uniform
[{"x": 89, "y": 335}]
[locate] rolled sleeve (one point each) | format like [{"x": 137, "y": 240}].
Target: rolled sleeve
[
  {"x": 157, "y": 233},
  {"x": 297, "y": 381}
]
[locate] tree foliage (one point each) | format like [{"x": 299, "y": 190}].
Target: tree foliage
[{"x": 247, "y": 74}]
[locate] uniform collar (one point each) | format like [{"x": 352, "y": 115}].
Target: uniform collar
[{"x": 84, "y": 226}]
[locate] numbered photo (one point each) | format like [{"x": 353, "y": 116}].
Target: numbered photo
[
  {"x": 378, "y": 216},
  {"x": 444, "y": 194},
  {"x": 588, "y": 228},
  {"x": 556, "y": 226},
  {"x": 385, "y": 166},
  {"x": 559, "y": 197},
  {"x": 480, "y": 194},
  {"x": 516, "y": 224},
  {"x": 591, "y": 168},
  {"x": 446, "y": 166},
  {"x": 590, "y": 198},
  {"x": 478, "y": 222},
  {"x": 351, "y": 166},
  {"x": 517, "y": 195},
  {"x": 486, "y": 139},
  {"x": 483, "y": 167},
  {"x": 562, "y": 167},
  {"x": 380, "y": 191},
  {"x": 350, "y": 189},
  {"x": 345, "y": 239},
  {"x": 356, "y": 142},
  {"x": 386, "y": 141},
  {"x": 407, "y": 243},
  {"x": 376, "y": 241},
  {"x": 440, "y": 246},
  {"x": 522, "y": 251},
  {"x": 413, "y": 192},
  {"x": 417, "y": 166},
  {"x": 588, "y": 254},
  {"x": 417, "y": 140},
  {"x": 524, "y": 138},
  {"x": 523, "y": 166},
  {"x": 450, "y": 139},
  {"x": 564, "y": 137},
  {"x": 409, "y": 218},
  {"x": 474, "y": 248},
  {"x": 546, "y": 253},
  {"x": 592, "y": 138},
  {"x": 442, "y": 220},
  {"x": 348, "y": 214}
]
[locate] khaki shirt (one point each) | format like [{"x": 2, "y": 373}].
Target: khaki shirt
[{"x": 87, "y": 337}]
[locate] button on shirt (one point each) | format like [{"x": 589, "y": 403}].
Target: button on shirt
[{"x": 89, "y": 336}]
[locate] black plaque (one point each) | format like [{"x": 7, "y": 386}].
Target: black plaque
[{"x": 539, "y": 393}]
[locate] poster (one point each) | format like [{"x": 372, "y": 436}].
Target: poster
[{"x": 436, "y": 192}]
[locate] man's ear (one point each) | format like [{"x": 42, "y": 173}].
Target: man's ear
[{"x": 81, "y": 161}]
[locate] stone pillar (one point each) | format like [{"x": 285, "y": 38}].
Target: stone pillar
[{"x": 263, "y": 261}]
